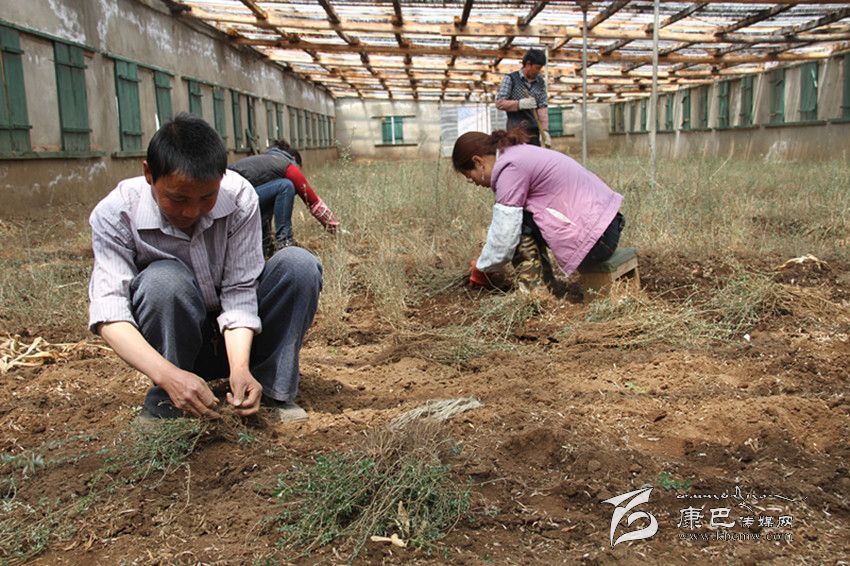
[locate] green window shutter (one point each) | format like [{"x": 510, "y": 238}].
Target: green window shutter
[
  {"x": 746, "y": 116},
  {"x": 845, "y": 100},
  {"x": 278, "y": 109},
  {"x": 129, "y": 112},
  {"x": 317, "y": 131},
  {"x": 236, "y": 109},
  {"x": 643, "y": 108},
  {"x": 723, "y": 97},
  {"x": 686, "y": 110},
  {"x": 668, "y": 112},
  {"x": 301, "y": 130},
  {"x": 251, "y": 134},
  {"x": 293, "y": 127},
  {"x": 777, "y": 102},
  {"x": 809, "y": 91},
  {"x": 386, "y": 130},
  {"x": 14, "y": 121},
  {"x": 73, "y": 100},
  {"x": 320, "y": 129},
  {"x": 614, "y": 117},
  {"x": 308, "y": 123},
  {"x": 398, "y": 129},
  {"x": 702, "y": 103},
  {"x": 660, "y": 101},
  {"x": 219, "y": 115},
  {"x": 162, "y": 90},
  {"x": 556, "y": 121},
  {"x": 196, "y": 98},
  {"x": 270, "y": 135},
  {"x": 620, "y": 113},
  {"x": 633, "y": 110}
]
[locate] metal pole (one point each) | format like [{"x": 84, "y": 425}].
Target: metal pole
[
  {"x": 584, "y": 86},
  {"x": 653, "y": 104}
]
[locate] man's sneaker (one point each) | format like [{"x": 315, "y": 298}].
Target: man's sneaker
[{"x": 284, "y": 411}]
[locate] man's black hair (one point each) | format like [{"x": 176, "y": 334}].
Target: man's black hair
[
  {"x": 284, "y": 145},
  {"x": 535, "y": 57},
  {"x": 187, "y": 145}
]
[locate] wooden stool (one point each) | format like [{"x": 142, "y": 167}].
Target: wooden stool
[{"x": 622, "y": 265}]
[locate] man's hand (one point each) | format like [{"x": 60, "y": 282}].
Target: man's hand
[
  {"x": 545, "y": 138},
  {"x": 245, "y": 393},
  {"x": 190, "y": 393},
  {"x": 527, "y": 103}
]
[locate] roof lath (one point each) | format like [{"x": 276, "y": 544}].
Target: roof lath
[{"x": 460, "y": 49}]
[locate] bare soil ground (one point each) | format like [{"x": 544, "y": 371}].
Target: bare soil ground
[{"x": 569, "y": 419}]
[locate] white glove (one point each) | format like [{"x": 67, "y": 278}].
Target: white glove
[
  {"x": 323, "y": 214},
  {"x": 528, "y": 103},
  {"x": 545, "y": 138}
]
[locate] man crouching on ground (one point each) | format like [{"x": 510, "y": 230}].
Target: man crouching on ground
[{"x": 178, "y": 266}]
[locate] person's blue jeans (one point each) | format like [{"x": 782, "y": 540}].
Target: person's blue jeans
[
  {"x": 276, "y": 200},
  {"x": 170, "y": 313}
]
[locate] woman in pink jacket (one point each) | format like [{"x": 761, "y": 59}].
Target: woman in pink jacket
[{"x": 542, "y": 196}]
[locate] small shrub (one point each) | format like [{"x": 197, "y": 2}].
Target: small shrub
[{"x": 398, "y": 484}]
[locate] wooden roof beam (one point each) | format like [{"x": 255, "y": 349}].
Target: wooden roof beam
[
  {"x": 492, "y": 31},
  {"x": 755, "y": 18},
  {"x": 258, "y": 12},
  {"x": 522, "y": 22},
  {"x": 680, "y": 15},
  {"x": 464, "y": 16},
  {"x": 562, "y": 55},
  {"x": 398, "y": 21},
  {"x": 827, "y": 19},
  {"x": 333, "y": 18},
  {"x": 536, "y": 9},
  {"x": 603, "y": 15}
]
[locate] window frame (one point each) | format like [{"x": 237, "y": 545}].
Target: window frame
[{"x": 396, "y": 130}]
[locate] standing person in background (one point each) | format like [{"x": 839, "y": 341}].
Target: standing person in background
[
  {"x": 522, "y": 95},
  {"x": 277, "y": 178}
]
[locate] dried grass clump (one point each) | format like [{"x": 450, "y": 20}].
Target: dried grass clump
[
  {"x": 396, "y": 487},
  {"x": 746, "y": 300}
]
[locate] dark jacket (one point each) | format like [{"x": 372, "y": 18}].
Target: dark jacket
[{"x": 260, "y": 169}]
